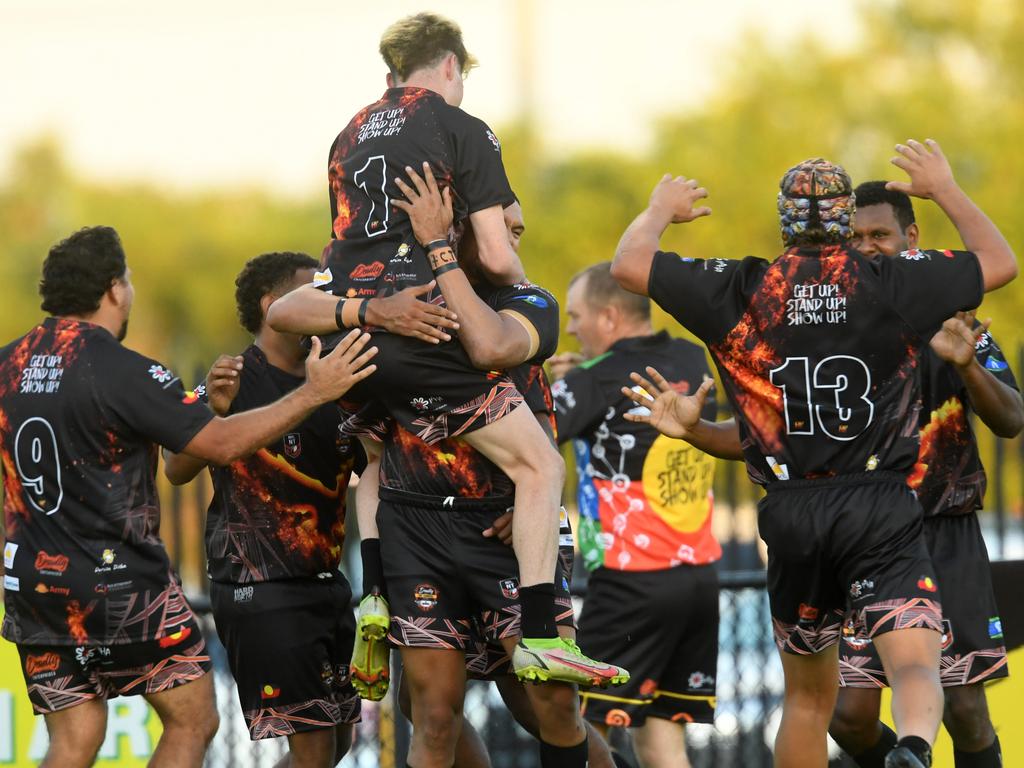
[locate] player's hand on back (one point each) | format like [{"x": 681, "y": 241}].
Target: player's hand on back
[
  {"x": 501, "y": 528},
  {"x": 429, "y": 209},
  {"x": 676, "y": 199},
  {"x": 955, "y": 342},
  {"x": 222, "y": 383},
  {"x": 405, "y": 313},
  {"x": 928, "y": 169},
  {"x": 331, "y": 376},
  {"x": 668, "y": 411},
  {"x": 559, "y": 365}
]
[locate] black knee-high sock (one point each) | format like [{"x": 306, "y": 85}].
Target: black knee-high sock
[
  {"x": 990, "y": 757},
  {"x": 921, "y": 748},
  {"x": 875, "y": 756},
  {"x": 563, "y": 757},
  {"x": 373, "y": 567},
  {"x": 538, "y": 610}
]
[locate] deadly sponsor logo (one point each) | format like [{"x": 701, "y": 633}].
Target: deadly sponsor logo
[
  {"x": 807, "y": 612},
  {"x": 425, "y": 596},
  {"x": 42, "y": 663},
  {"x": 367, "y": 271},
  {"x": 292, "y": 445},
  {"x": 51, "y": 564}
]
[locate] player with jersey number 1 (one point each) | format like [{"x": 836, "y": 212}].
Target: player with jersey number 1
[{"x": 818, "y": 353}]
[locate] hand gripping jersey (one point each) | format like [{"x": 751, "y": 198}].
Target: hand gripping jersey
[
  {"x": 645, "y": 500},
  {"x": 280, "y": 513},
  {"x": 80, "y": 419},
  {"x": 374, "y": 252},
  {"x": 948, "y": 477},
  {"x": 818, "y": 350}
]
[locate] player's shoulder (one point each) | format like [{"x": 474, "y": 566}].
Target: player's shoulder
[{"x": 464, "y": 124}]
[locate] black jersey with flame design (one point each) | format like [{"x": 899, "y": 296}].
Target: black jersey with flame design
[
  {"x": 80, "y": 418},
  {"x": 949, "y": 477},
  {"x": 818, "y": 350},
  {"x": 374, "y": 251},
  {"x": 280, "y": 513}
]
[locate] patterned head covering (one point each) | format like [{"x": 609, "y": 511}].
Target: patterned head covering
[{"x": 816, "y": 203}]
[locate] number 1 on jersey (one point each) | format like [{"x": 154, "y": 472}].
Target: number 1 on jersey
[{"x": 372, "y": 178}]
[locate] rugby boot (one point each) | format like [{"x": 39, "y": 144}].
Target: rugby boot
[
  {"x": 370, "y": 668},
  {"x": 901, "y": 757},
  {"x": 558, "y": 658}
]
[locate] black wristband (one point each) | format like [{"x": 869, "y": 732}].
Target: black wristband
[
  {"x": 362, "y": 311},
  {"x": 446, "y": 268},
  {"x": 337, "y": 314},
  {"x": 433, "y": 245}
]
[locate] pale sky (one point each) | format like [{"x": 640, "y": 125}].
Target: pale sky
[{"x": 228, "y": 92}]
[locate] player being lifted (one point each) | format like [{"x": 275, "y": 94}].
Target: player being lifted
[
  {"x": 434, "y": 391},
  {"x": 827, "y": 399}
]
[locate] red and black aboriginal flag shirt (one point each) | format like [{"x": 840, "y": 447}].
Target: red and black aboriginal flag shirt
[
  {"x": 818, "y": 350},
  {"x": 451, "y": 468},
  {"x": 949, "y": 477},
  {"x": 280, "y": 513},
  {"x": 645, "y": 500},
  {"x": 374, "y": 251},
  {"x": 80, "y": 419}
]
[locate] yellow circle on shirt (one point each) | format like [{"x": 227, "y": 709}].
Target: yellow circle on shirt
[{"x": 677, "y": 480}]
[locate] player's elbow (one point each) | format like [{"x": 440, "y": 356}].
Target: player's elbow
[
  {"x": 626, "y": 274},
  {"x": 276, "y": 315},
  {"x": 487, "y": 355},
  {"x": 1013, "y": 420},
  {"x": 1003, "y": 271}
]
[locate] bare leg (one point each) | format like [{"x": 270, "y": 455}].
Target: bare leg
[
  {"x": 437, "y": 687},
  {"x": 967, "y": 719},
  {"x": 518, "y": 445},
  {"x": 911, "y": 661},
  {"x": 470, "y": 751},
  {"x": 76, "y": 735},
  {"x": 855, "y": 725},
  {"x": 660, "y": 743},
  {"x": 188, "y": 713},
  {"x": 310, "y": 749},
  {"x": 811, "y": 686}
]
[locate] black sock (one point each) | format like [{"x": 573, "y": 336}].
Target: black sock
[
  {"x": 373, "y": 567},
  {"x": 875, "y": 756},
  {"x": 538, "y": 610},
  {"x": 563, "y": 757},
  {"x": 990, "y": 757},
  {"x": 921, "y": 748}
]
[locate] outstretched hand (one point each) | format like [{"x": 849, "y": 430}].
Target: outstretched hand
[
  {"x": 957, "y": 339},
  {"x": 929, "y": 170},
  {"x": 669, "y": 412},
  {"x": 331, "y": 376},
  {"x": 222, "y": 383},
  {"x": 676, "y": 198}
]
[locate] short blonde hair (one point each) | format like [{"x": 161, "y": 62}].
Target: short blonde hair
[{"x": 421, "y": 41}]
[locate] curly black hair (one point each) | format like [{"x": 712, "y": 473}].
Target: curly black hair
[
  {"x": 267, "y": 273},
  {"x": 875, "y": 193},
  {"x": 80, "y": 269}
]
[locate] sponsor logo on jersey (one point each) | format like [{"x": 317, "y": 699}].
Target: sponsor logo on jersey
[
  {"x": 995, "y": 628},
  {"x": 161, "y": 374},
  {"x": 47, "y": 589},
  {"x": 54, "y": 564},
  {"x": 927, "y": 583},
  {"x": 12, "y": 583},
  {"x": 425, "y": 596},
  {"x": 10, "y": 550},
  {"x": 699, "y": 680},
  {"x": 367, "y": 271},
  {"x": 993, "y": 363},
  {"x": 45, "y": 662},
  {"x": 175, "y": 638},
  {"x": 292, "y": 445},
  {"x": 872, "y": 463},
  {"x": 781, "y": 470},
  {"x": 244, "y": 594},
  {"x": 426, "y": 403},
  {"x": 322, "y": 278},
  {"x": 807, "y": 612},
  {"x": 862, "y": 588},
  {"x": 913, "y": 254},
  {"x": 494, "y": 141},
  {"x": 537, "y": 301}
]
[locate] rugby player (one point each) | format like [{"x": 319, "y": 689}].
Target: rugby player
[
  {"x": 275, "y": 529},
  {"x": 90, "y": 597},
  {"x": 817, "y": 352},
  {"x": 963, "y": 370},
  {"x": 645, "y": 524},
  {"x": 436, "y": 391}
]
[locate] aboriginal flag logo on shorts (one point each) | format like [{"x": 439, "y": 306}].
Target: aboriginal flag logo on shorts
[{"x": 425, "y": 596}]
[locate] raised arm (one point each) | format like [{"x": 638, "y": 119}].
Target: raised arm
[
  {"x": 931, "y": 178},
  {"x": 224, "y": 440},
  {"x": 672, "y": 202},
  {"x": 493, "y": 340}
]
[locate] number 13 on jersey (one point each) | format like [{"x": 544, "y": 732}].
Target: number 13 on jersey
[{"x": 833, "y": 398}]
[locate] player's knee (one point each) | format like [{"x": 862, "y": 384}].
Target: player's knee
[
  {"x": 437, "y": 724},
  {"x": 342, "y": 741},
  {"x": 966, "y": 718},
  {"x": 852, "y": 725},
  {"x": 74, "y": 748}
]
